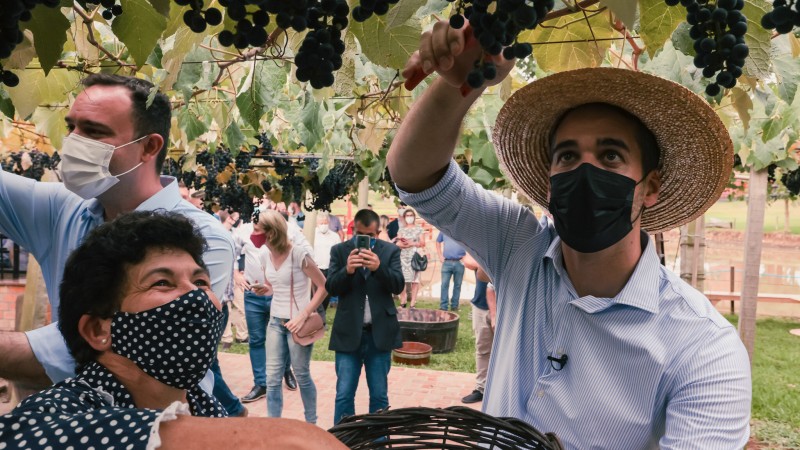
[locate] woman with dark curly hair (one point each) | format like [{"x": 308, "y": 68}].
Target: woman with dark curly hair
[{"x": 143, "y": 325}]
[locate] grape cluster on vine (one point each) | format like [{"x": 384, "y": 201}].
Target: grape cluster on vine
[
  {"x": 784, "y": 16},
  {"x": 366, "y": 8},
  {"x": 336, "y": 185},
  {"x": 320, "y": 54},
  {"x": 290, "y": 181},
  {"x": 230, "y": 195},
  {"x": 39, "y": 161},
  {"x": 11, "y": 14},
  {"x": 112, "y": 9},
  {"x": 791, "y": 180},
  {"x": 496, "y": 25},
  {"x": 196, "y": 18},
  {"x": 718, "y": 31}
]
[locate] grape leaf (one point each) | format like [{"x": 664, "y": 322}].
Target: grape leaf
[
  {"x": 757, "y": 39},
  {"x": 785, "y": 117},
  {"x": 178, "y": 46},
  {"x": 162, "y": 6},
  {"x": 573, "y": 44},
  {"x": 36, "y": 89},
  {"x": 786, "y": 68},
  {"x": 22, "y": 55},
  {"x": 384, "y": 47},
  {"x": 657, "y": 22},
  {"x": 191, "y": 71},
  {"x": 682, "y": 41},
  {"x": 481, "y": 176},
  {"x": 625, "y": 10},
  {"x": 49, "y": 27},
  {"x": 191, "y": 124},
  {"x": 6, "y": 105},
  {"x": 259, "y": 92},
  {"x": 401, "y": 12},
  {"x": 795, "y": 44},
  {"x": 139, "y": 28},
  {"x": 742, "y": 104},
  {"x": 311, "y": 118},
  {"x": 50, "y": 122},
  {"x": 233, "y": 136},
  {"x": 345, "y": 82}
]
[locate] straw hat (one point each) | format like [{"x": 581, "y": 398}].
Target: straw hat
[{"x": 696, "y": 149}]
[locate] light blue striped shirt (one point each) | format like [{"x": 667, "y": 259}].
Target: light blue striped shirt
[
  {"x": 50, "y": 221},
  {"x": 655, "y": 366}
]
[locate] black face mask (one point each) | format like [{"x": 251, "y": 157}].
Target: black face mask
[
  {"x": 174, "y": 343},
  {"x": 591, "y": 207}
]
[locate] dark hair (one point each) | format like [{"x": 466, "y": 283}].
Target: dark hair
[
  {"x": 157, "y": 118},
  {"x": 651, "y": 152},
  {"x": 367, "y": 217},
  {"x": 96, "y": 272}
]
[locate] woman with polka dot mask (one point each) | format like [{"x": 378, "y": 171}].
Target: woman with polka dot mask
[{"x": 142, "y": 323}]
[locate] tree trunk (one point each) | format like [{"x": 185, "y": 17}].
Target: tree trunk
[
  {"x": 786, "y": 227},
  {"x": 754, "y": 234},
  {"x": 363, "y": 193}
]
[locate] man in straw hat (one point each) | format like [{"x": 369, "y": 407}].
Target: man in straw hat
[{"x": 595, "y": 340}]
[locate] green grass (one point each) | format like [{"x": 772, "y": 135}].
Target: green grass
[
  {"x": 461, "y": 359},
  {"x": 736, "y": 212},
  {"x": 776, "y": 376},
  {"x": 776, "y": 383}
]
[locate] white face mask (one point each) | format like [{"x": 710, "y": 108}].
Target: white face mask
[
  {"x": 84, "y": 165},
  {"x": 323, "y": 228},
  {"x": 409, "y": 220}
]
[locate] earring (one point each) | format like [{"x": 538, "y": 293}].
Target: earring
[{"x": 104, "y": 340}]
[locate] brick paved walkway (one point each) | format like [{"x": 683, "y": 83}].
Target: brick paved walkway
[{"x": 407, "y": 387}]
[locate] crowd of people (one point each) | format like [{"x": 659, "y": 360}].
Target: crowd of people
[{"x": 579, "y": 330}]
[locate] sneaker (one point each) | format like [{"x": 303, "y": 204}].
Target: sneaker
[
  {"x": 475, "y": 397},
  {"x": 256, "y": 393},
  {"x": 291, "y": 381}
]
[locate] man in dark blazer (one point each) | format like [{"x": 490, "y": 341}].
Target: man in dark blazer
[{"x": 365, "y": 330}]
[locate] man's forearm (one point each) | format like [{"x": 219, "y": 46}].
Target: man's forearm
[
  {"x": 18, "y": 363},
  {"x": 425, "y": 142}
]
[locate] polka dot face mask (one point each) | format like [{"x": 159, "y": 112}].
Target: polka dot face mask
[{"x": 174, "y": 343}]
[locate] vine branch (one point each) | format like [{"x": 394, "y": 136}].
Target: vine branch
[
  {"x": 636, "y": 49},
  {"x": 87, "y": 21}
]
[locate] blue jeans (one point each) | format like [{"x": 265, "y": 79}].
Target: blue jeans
[
  {"x": 222, "y": 392},
  {"x": 348, "y": 369},
  {"x": 456, "y": 270},
  {"x": 256, "y": 313},
  {"x": 279, "y": 345}
]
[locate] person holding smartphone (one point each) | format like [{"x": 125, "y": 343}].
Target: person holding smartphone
[
  {"x": 410, "y": 239},
  {"x": 364, "y": 272}
]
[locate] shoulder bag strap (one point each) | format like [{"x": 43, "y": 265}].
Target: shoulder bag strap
[{"x": 291, "y": 283}]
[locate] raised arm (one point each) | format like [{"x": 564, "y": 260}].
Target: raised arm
[
  {"x": 18, "y": 363},
  {"x": 428, "y": 135}
]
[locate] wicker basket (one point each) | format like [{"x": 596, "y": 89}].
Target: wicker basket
[{"x": 456, "y": 427}]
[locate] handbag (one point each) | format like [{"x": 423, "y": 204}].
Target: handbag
[
  {"x": 419, "y": 262},
  {"x": 313, "y": 329}
]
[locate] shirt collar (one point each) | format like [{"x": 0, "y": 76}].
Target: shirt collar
[
  {"x": 167, "y": 198},
  {"x": 101, "y": 379},
  {"x": 641, "y": 291}
]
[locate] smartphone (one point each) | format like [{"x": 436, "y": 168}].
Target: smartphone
[
  {"x": 362, "y": 241},
  {"x": 257, "y": 286}
]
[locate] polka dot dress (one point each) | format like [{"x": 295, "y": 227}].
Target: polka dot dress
[{"x": 90, "y": 411}]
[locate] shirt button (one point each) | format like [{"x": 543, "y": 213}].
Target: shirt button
[{"x": 540, "y": 394}]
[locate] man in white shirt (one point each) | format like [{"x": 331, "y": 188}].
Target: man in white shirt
[{"x": 324, "y": 240}]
